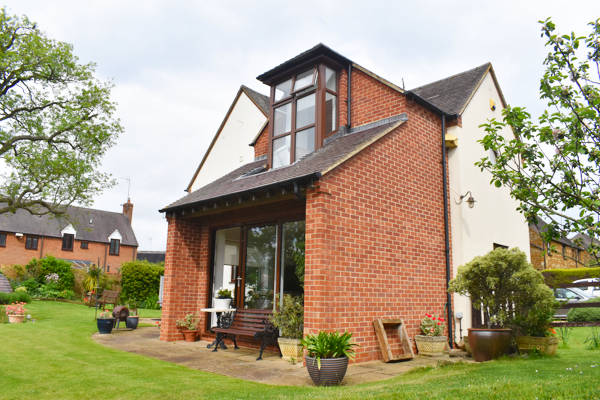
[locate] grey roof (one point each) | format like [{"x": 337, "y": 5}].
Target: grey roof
[
  {"x": 542, "y": 226},
  {"x": 151, "y": 256},
  {"x": 335, "y": 151},
  {"x": 452, "y": 94},
  {"x": 584, "y": 240},
  {"x": 262, "y": 101},
  {"x": 4, "y": 284},
  {"x": 103, "y": 224}
]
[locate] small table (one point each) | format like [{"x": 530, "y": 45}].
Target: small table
[{"x": 219, "y": 312}]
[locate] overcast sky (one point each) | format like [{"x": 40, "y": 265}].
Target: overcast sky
[{"x": 177, "y": 65}]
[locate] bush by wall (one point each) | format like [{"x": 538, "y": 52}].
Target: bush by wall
[
  {"x": 554, "y": 277},
  {"x": 584, "y": 315},
  {"x": 8, "y": 298},
  {"x": 140, "y": 280}
]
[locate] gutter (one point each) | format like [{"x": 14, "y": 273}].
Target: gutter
[{"x": 443, "y": 116}]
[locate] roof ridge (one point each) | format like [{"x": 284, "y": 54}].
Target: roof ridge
[{"x": 487, "y": 64}]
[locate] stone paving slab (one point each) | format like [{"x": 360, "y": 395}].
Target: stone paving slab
[{"x": 242, "y": 363}]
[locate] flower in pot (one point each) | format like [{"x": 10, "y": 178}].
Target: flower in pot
[
  {"x": 223, "y": 299},
  {"x": 494, "y": 282},
  {"x": 432, "y": 342},
  {"x": 16, "y": 312},
  {"x": 327, "y": 356},
  {"x": 188, "y": 327},
  {"x": 290, "y": 321},
  {"x": 133, "y": 318},
  {"x": 105, "y": 322}
]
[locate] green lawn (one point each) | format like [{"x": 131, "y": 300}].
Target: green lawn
[{"x": 55, "y": 358}]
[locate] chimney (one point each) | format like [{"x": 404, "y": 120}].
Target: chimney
[{"x": 128, "y": 210}]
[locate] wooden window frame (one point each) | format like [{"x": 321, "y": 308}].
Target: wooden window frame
[
  {"x": 116, "y": 250},
  {"x": 84, "y": 245},
  {"x": 29, "y": 239},
  {"x": 3, "y": 237},
  {"x": 66, "y": 242}
]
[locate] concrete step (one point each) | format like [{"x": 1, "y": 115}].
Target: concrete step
[{"x": 4, "y": 284}]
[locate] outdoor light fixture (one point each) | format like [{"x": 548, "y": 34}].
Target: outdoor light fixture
[
  {"x": 459, "y": 317},
  {"x": 470, "y": 201}
]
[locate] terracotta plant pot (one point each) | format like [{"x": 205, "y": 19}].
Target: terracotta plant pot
[
  {"x": 487, "y": 344},
  {"x": 431, "y": 345},
  {"x": 16, "y": 318},
  {"x": 291, "y": 349},
  {"x": 332, "y": 370},
  {"x": 189, "y": 336},
  {"x": 545, "y": 345}
]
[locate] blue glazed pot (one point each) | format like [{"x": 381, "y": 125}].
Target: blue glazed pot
[{"x": 105, "y": 325}]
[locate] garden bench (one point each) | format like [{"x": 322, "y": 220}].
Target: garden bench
[
  {"x": 251, "y": 323},
  {"x": 108, "y": 297}
]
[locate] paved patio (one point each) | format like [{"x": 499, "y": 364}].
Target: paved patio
[{"x": 242, "y": 363}]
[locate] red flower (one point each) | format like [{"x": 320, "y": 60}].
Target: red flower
[
  {"x": 434, "y": 318},
  {"x": 439, "y": 323},
  {"x": 441, "y": 319},
  {"x": 428, "y": 315}
]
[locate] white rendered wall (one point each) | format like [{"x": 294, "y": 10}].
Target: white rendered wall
[
  {"x": 494, "y": 219},
  {"x": 232, "y": 150}
]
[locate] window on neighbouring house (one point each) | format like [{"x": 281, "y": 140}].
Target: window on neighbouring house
[
  {"x": 84, "y": 245},
  {"x": 499, "y": 246},
  {"x": 2, "y": 239},
  {"x": 115, "y": 245},
  {"x": 67, "y": 242},
  {"x": 31, "y": 242}
]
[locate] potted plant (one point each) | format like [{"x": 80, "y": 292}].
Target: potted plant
[
  {"x": 432, "y": 342},
  {"x": 188, "y": 327},
  {"x": 327, "y": 356},
  {"x": 105, "y": 322},
  {"x": 223, "y": 300},
  {"x": 16, "y": 312},
  {"x": 493, "y": 282},
  {"x": 290, "y": 321},
  {"x": 133, "y": 318}
]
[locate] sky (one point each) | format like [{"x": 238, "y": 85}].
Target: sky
[{"x": 177, "y": 65}]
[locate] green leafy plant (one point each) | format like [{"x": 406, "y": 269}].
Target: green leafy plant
[
  {"x": 593, "y": 340},
  {"x": 564, "y": 333},
  {"x": 15, "y": 297},
  {"x": 92, "y": 279},
  {"x": 290, "y": 317},
  {"x": 188, "y": 322},
  {"x": 329, "y": 345},
  {"x": 433, "y": 325},
  {"x": 224, "y": 293},
  {"x": 140, "y": 280},
  {"x": 59, "y": 270},
  {"x": 509, "y": 291},
  {"x": 584, "y": 314}
]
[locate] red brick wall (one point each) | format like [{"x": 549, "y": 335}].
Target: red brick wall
[
  {"x": 186, "y": 274},
  {"x": 261, "y": 147},
  {"x": 540, "y": 259},
  {"x": 16, "y": 253},
  {"x": 375, "y": 237}
]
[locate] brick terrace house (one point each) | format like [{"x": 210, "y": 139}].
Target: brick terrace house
[
  {"x": 346, "y": 202},
  {"x": 559, "y": 253},
  {"x": 84, "y": 236}
]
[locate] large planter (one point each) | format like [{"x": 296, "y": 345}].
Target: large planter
[
  {"x": 132, "y": 322},
  {"x": 487, "y": 344},
  {"x": 291, "y": 349},
  {"x": 16, "y": 318},
  {"x": 221, "y": 303},
  {"x": 332, "y": 370},
  {"x": 544, "y": 345},
  {"x": 431, "y": 345},
  {"x": 105, "y": 325},
  {"x": 189, "y": 335}
]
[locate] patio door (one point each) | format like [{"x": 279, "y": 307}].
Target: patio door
[
  {"x": 225, "y": 264},
  {"x": 260, "y": 267}
]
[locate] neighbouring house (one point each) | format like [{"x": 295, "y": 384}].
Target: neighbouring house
[
  {"x": 559, "y": 253},
  {"x": 84, "y": 236},
  {"x": 151, "y": 256},
  {"x": 483, "y": 216},
  {"x": 348, "y": 202}
]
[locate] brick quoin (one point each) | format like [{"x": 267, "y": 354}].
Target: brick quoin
[
  {"x": 261, "y": 147},
  {"x": 374, "y": 229}
]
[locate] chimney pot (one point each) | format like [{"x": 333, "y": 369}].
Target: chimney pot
[{"x": 128, "y": 210}]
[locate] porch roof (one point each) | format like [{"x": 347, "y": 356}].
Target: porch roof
[{"x": 253, "y": 177}]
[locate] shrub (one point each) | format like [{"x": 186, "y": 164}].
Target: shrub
[
  {"x": 290, "y": 317},
  {"x": 140, "y": 280},
  {"x": 150, "y": 302},
  {"x": 15, "y": 297},
  {"x": 32, "y": 285},
  {"x": 584, "y": 314},
  {"x": 555, "y": 277},
  {"x": 47, "y": 266}
]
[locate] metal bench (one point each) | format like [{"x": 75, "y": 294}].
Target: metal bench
[{"x": 251, "y": 323}]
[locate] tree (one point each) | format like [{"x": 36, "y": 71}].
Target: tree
[
  {"x": 552, "y": 167},
  {"x": 56, "y": 122}
]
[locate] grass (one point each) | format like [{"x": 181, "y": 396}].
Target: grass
[{"x": 55, "y": 357}]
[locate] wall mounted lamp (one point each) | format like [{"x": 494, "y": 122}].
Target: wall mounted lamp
[{"x": 470, "y": 200}]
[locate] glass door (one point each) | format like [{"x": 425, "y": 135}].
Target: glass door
[
  {"x": 226, "y": 262},
  {"x": 292, "y": 259},
  {"x": 259, "y": 272}
]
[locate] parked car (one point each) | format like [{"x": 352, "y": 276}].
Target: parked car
[
  {"x": 593, "y": 290},
  {"x": 568, "y": 295}
]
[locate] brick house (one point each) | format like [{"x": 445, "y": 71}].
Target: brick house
[
  {"x": 84, "y": 236},
  {"x": 559, "y": 253},
  {"x": 346, "y": 202}
]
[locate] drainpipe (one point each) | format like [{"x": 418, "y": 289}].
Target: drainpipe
[
  {"x": 349, "y": 98},
  {"x": 446, "y": 232}
]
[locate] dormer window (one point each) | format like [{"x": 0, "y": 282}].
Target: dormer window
[{"x": 296, "y": 112}]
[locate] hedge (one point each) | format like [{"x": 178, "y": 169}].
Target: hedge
[
  {"x": 555, "y": 277},
  {"x": 140, "y": 280},
  {"x": 584, "y": 314},
  {"x": 9, "y": 298}
]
